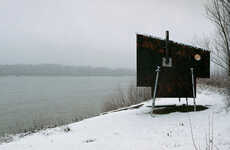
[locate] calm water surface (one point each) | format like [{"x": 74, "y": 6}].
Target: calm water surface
[{"x": 24, "y": 100}]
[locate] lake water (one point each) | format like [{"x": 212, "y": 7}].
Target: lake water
[{"x": 27, "y": 100}]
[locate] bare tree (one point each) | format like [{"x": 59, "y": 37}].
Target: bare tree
[{"x": 218, "y": 11}]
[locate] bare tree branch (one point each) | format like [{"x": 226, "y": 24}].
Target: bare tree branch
[{"x": 218, "y": 12}]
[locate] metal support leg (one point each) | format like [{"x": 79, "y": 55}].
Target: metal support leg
[
  {"x": 187, "y": 101},
  {"x": 155, "y": 87},
  {"x": 193, "y": 89}
]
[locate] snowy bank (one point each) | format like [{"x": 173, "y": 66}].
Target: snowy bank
[{"x": 135, "y": 129}]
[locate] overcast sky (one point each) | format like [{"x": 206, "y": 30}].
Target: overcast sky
[{"x": 92, "y": 32}]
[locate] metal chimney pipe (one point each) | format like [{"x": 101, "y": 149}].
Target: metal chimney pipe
[{"x": 166, "y": 47}]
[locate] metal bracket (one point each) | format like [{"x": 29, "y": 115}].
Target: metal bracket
[{"x": 165, "y": 64}]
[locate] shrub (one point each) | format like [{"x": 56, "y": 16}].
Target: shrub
[
  {"x": 123, "y": 98},
  {"x": 37, "y": 125},
  {"x": 219, "y": 82},
  {"x": 223, "y": 85}
]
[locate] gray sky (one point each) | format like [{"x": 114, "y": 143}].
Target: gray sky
[{"x": 92, "y": 32}]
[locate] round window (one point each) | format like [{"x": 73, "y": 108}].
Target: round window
[{"x": 197, "y": 57}]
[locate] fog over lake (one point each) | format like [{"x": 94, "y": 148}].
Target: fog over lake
[{"x": 93, "y": 33}]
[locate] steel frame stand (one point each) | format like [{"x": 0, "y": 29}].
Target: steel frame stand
[
  {"x": 155, "y": 87},
  {"x": 193, "y": 88}
]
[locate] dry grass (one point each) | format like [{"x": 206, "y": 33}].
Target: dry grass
[
  {"x": 123, "y": 98},
  {"x": 219, "y": 82},
  {"x": 36, "y": 126},
  {"x": 222, "y": 83},
  {"x": 209, "y": 136}
]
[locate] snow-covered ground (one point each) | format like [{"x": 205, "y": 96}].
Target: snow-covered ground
[{"x": 136, "y": 129}]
